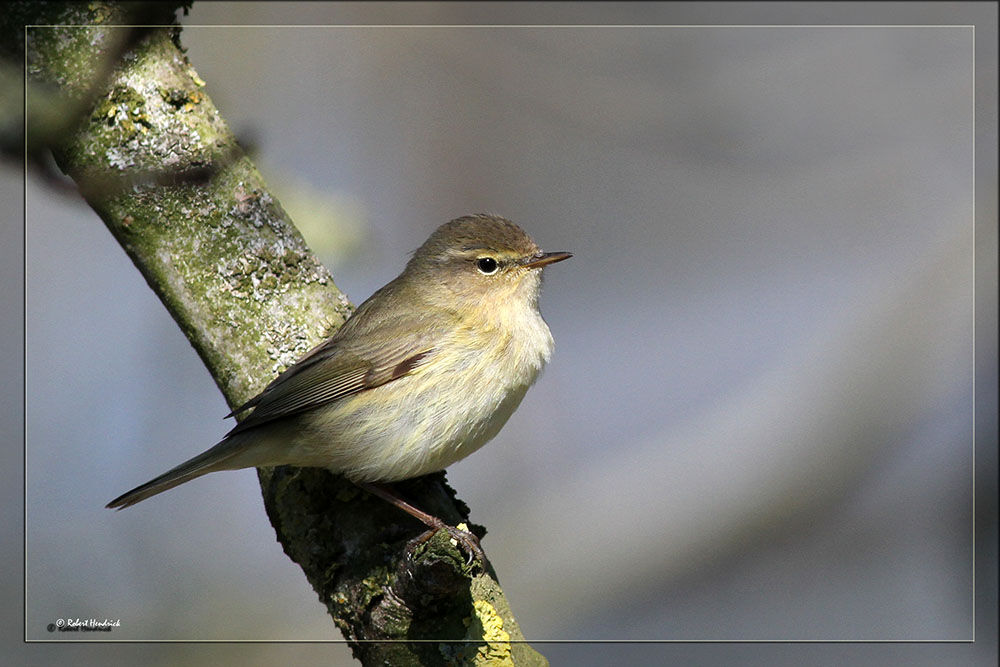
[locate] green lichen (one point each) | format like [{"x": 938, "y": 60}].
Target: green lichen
[{"x": 375, "y": 583}]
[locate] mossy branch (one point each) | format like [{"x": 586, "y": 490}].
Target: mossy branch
[{"x": 153, "y": 157}]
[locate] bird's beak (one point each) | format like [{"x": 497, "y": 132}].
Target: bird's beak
[{"x": 541, "y": 259}]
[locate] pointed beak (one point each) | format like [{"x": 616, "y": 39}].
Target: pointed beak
[{"x": 541, "y": 259}]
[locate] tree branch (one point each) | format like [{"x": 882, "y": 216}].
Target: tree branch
[{"x": 153, "y": 157}]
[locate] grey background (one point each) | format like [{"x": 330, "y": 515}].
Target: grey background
[{"x": 758, "y": 421}]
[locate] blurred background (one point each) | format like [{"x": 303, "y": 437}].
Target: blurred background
[{"x": 758, "y": 423}]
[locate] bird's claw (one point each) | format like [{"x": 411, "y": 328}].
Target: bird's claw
[{"x": 463, "y": 539}]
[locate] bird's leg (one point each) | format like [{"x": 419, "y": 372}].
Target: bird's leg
[{"x": 465, "y": 538}]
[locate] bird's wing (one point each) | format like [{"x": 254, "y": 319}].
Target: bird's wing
[{"x": 342, "y": 366}]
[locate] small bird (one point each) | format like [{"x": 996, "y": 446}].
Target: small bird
[{"x": 423, "y": 373}]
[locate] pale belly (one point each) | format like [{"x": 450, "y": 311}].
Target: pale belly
[{"x": 412, "y": 426}]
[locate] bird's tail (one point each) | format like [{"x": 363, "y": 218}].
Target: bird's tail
[{"x": 230, "y": 454}]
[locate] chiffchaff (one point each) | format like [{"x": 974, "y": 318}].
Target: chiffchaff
[{"x": 422, "y": 374}]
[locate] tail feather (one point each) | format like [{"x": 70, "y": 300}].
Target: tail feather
[{"x": 219, "y": 457}]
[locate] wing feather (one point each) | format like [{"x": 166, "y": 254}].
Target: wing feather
[{"x": 357, "y": 358}]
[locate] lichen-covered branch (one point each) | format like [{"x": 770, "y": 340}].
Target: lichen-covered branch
[{"x": 154, "y": 158}]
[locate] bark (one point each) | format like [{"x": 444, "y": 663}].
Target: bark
[{"x": 130, "y": 122}]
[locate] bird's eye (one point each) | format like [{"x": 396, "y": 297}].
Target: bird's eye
[{"x": 487, "y": 265}]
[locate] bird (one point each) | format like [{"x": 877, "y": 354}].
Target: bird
[{"x": 423, "y": 373}]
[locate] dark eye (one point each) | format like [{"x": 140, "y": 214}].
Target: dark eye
[{"x": 487, "y": 265}]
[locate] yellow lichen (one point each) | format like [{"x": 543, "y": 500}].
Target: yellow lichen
[{"x": 496, "y": 649}]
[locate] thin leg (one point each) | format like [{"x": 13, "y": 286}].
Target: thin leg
[{"x": 465, "y": 538}]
